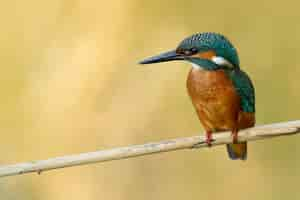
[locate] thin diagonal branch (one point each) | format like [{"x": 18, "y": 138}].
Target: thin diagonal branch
[{"x": 256, "y": 133}]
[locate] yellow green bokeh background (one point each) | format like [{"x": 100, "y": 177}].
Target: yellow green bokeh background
[{"x": 70, "y": 83}]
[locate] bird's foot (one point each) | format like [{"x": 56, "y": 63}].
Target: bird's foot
[
  {"x": 208, "y": 141},
  {"x": 234, "y": 137},
  {"x": 208, "y": 138}
]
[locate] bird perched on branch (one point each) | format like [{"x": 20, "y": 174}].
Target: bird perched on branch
[{"x": 222, "y": 94}]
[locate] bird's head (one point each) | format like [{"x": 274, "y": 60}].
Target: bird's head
[{"x": 210, "y": 51}]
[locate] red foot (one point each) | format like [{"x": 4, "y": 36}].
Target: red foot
[
  {"x": 208, "y": 138},
  {"x": 234, "y": 136}
]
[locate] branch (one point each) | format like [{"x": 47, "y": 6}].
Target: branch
[{"x": 256, "y": 133}]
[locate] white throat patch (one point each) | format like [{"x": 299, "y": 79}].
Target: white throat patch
[
  {"x": 221, "y": 61},
  {"x": 218, "y": 60}
]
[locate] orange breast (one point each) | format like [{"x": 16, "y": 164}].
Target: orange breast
[{"x": 214, "y": 98}]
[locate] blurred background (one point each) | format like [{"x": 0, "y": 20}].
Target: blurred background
[{"x": 70, "y": 83}]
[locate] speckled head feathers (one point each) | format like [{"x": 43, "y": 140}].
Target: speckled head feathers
[{"x": 211, "y": 41}]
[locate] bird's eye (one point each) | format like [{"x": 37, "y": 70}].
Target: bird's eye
[
  {"x": 194, "y": 50},
  {"x": 190, "y": 51},
  {"x": 187, "y": 52}
]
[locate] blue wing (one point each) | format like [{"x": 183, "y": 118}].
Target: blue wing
[{"x": 245, "y": 89}]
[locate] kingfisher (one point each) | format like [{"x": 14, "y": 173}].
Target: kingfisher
[{"x": 222, "y": 94}]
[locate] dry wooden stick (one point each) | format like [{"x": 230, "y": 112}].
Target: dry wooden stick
[{"x": 256, "y": 133}]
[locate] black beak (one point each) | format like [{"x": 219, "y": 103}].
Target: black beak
[{"x": 164, "y": 57}]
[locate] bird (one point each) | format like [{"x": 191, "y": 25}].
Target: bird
[{"x": 221, "y": 92}]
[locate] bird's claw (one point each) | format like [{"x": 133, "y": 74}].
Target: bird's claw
[
  {"x": 234, "y": 137},
  {"x": 207, "y": 141}
]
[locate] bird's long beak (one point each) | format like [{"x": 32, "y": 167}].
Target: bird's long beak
[{"x": 164, "y": 57}]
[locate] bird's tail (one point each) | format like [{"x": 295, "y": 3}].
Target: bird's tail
[{"x": 237, "y": 151}]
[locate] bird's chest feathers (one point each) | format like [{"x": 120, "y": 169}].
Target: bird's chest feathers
[
  {"x": 214, "y": 97},
  {"x": 205, "y": 85}
]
